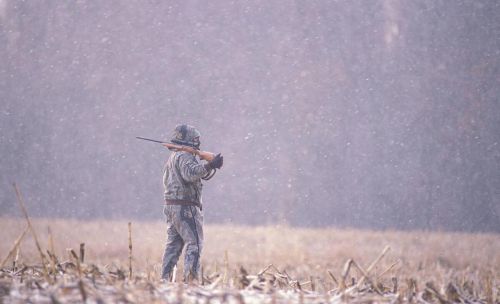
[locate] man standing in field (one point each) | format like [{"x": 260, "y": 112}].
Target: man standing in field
[{"x": 183, "y": 204}]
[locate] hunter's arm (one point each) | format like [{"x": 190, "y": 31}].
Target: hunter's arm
[{"x": 190, "y": 169}]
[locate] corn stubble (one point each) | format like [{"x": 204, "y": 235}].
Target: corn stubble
[{"x": 246, "y": 265}]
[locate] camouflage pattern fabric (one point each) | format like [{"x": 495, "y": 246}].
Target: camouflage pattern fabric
[
  {"x": 182, "y": 177},
  {"x": 182, "y": 182},
  {"x": 185, "y": 228},
  {"x": 186, "y": 135}
]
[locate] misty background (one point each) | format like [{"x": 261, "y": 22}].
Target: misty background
[{"x": 370, "y": 114}]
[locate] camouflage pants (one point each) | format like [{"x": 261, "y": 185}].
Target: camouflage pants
[{"x": 184, "y": 228}]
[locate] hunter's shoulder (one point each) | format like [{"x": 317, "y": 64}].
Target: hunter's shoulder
[{"x": 185, "y": 156}]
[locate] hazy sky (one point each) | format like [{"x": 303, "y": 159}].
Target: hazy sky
[{"x": 377, "y": 114}]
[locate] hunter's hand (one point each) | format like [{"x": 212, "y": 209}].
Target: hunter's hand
[{"x": 215, "y": 163}]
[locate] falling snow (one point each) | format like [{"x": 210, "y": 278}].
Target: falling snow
[{"x": 380, "y": 114}]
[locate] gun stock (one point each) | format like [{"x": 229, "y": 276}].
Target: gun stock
[{"x": 208, "y": 156}]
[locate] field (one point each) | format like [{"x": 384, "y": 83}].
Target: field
[{"x": 271, "y": 264}]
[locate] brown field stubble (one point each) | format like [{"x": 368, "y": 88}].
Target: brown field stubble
[{"x": 306, "y": 255}]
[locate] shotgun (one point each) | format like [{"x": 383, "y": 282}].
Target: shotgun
[{"x": 208, "y": 156}]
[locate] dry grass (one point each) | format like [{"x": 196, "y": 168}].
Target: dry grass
[{"x": 301, "y": 260}]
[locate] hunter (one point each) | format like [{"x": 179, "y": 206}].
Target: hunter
[{"x": 183, "y": 204}]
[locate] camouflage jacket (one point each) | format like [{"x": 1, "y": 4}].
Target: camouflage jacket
[{"x": 182, "y": 177}]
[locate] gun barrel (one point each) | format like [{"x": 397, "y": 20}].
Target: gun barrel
[{"x": 153, "y": 140}]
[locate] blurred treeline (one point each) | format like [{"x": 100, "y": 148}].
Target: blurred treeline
[{"x": 374, "y": 114}]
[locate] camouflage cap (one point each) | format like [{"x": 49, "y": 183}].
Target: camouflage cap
[{"x": 186, "y": 135}]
